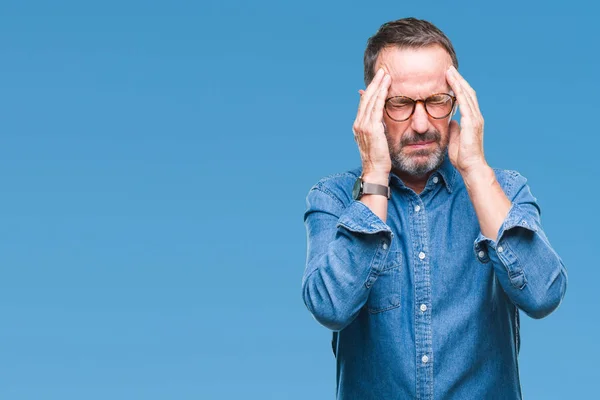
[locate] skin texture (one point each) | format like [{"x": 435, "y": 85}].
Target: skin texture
[
  {"x": 384, "y": 144},
  {"x": 416, "y": 73}
]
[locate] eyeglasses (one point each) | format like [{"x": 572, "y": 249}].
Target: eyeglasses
[{"x": 437, "y": 106}]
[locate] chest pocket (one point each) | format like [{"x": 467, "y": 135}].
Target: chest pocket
[{"x": 385, "y": 292}]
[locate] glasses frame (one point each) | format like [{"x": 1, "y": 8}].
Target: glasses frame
[{"x": 424, "y": 101}]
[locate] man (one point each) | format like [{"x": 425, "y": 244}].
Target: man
[{"x": 421, "y": 259}]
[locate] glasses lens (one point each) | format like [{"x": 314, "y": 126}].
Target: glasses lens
[
  {"x": 439, "y": 105},
  {"x": 399, "y": 108}
]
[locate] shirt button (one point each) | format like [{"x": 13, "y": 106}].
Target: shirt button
[
  {"x": 424, "y": 359},
  {"x": 481, "y": 254},
  {"x": 384, "y": 246},
  {"x": 435, "y": 179},
  {"x": 417, "y": 208},
  {"x": 500, "y": 249},
  {"x": 423, "y": 307},
  {"x": 421, "y": 255}
]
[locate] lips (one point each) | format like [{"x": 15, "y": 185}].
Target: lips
[{"x": 420, "y": 144}]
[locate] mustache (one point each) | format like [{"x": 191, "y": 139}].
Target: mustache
[{"x": 428, "y": 136}]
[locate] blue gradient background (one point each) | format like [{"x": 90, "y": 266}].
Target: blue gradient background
[{"x": 155, "y": 157}]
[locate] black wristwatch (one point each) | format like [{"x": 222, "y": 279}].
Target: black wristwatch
[{"x": 361, "y": 187}]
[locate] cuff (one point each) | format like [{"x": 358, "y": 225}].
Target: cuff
[
  {"x": 516, "y": 217},
  {"x": 358, "y": 217}
]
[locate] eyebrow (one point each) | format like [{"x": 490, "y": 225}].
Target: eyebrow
[{"x": 449, "y": 91}]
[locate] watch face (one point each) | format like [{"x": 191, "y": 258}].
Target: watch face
[{"x": 356, "y": 190}]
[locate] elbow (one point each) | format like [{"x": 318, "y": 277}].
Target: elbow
[
  {"x": 543, "y": 305},
  {"x": 324, "y": 307},
  {"x": 331, "y": 321},
  {"x": 541, "y": 310}
]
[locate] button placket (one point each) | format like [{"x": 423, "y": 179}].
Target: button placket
[{"x": 423, "y": 296}]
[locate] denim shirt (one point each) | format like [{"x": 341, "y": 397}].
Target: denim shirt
[{"x": 424, "y": 306}]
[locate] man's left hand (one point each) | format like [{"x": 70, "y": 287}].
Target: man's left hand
[{"x": 465, "y": 146}]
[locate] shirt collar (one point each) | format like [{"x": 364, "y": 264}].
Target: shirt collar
[{"x": 448, "y": 172}]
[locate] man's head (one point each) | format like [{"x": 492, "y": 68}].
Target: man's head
[{"x": 416, "y": 54}]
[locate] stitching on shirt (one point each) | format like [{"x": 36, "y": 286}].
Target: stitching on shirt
[
  {"x": 509, "y": 182},
  {"x": 337, "y": 175},
  {"x": 372, "y": 271},
  {"x": 429, "y": 329},
  {"x": 515, "y": 270},
  {"x": 451, "y": 175},
  {"x": 320, "y": 185},
  {"x": 515, "y": 176},
  {"x": 324, "y": 189}
]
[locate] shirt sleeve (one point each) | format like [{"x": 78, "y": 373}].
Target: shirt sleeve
[
  {"x": 529, "y": 270},
  {"x": 346, "y": 249}
]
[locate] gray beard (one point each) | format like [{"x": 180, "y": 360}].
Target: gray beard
[{"x": 416, "y": 166}]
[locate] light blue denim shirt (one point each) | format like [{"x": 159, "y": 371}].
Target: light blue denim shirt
[{"x": 425, "y": 306}]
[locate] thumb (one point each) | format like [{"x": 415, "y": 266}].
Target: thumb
[
  {"x": 453, "y": 141},
  {"x": 453, "y": 130}
]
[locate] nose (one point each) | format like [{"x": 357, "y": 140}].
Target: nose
[{"x": 420, "y": 119}]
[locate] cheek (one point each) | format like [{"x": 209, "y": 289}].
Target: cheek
[
  {"x": 442, "y": 126},
  {"x": 395, "y": 134},
  {"x": 393, "y": 129}
]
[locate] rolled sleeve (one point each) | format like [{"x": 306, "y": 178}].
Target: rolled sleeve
[
  {"x": 528, "y": 268},
  {"x": 359, "y": 218},
  {"x": 346, "y": 248}
]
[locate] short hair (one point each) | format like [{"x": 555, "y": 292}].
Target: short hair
[{"x": 404, "y": 33}]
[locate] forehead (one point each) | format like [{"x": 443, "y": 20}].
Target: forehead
[{"x": 415, "y": 72}]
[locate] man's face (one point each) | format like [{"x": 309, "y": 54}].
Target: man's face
[{"x": 416, "y": 73}]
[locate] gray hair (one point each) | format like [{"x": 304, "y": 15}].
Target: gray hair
[{"x": 404, "y": 33}]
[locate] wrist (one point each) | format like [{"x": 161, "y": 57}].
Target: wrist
[
  {"x": 476, "y": 176},
  {"x": 380, "y": 178}
]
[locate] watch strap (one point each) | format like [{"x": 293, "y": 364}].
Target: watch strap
[{"x": 374, "y": 188}]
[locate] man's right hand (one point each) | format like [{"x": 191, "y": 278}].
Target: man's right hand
[{"x": 369, "y": 132}]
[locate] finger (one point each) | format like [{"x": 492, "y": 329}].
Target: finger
[
  {"x": 453, "y": 139},
  {"x": 370, "y": 106},
  {"x": 453, "y": 129},
  {"x": 461, "y": 93},
  {"x": 370, "y": 88},
  {"x": 468, "y": 91},
  {"x": 359, "y": 113},
  {"x": 366, "y": 97},
  {"x": 377, "y": 112},
  {"x": 466, "y": 107}
]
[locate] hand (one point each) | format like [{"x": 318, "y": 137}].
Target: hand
[
  {"x": 368, "y": 127},
  {"x": 465, "y": 146}
]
